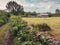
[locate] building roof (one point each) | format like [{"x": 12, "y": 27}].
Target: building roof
[{"x": 43, "y": 14}]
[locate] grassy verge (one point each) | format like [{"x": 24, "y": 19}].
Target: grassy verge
[{"x": 3, "y": 31}]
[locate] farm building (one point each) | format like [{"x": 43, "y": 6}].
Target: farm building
[{"x": 43, "y": 15}]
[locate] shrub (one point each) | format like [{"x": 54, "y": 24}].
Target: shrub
[
  {"x": 43, "y": 27},
  {"x": 26, "y": 37},
  {"x": 17, "y": 25},
  {"x": 3, "y": 18}
]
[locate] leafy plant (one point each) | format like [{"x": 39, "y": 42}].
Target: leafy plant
[
  {"x": 3, "y": 18},
  {"x": 43, "y": 27},
  {"x": 16, "y": 25}
]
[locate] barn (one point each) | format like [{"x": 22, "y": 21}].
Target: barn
[{"x": 43, "y": 15}]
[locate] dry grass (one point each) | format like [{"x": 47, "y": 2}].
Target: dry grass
[
  {"x": 3, "y": 31},
  {"x": 53, "y": 22}
]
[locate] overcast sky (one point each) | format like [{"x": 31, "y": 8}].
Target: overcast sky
[{"x": 35, "y": 5}]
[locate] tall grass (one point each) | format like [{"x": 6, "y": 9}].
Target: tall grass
[
  {"x": 3, "y": 31},
  {"x": 53, "y": 22}
]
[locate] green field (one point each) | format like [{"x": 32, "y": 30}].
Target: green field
[{"x": 53, "y": 22}]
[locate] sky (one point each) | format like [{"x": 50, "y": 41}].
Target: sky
[{"x": 35, "y": 5}]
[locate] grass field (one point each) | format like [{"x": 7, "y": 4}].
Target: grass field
[{"x": 53, "y": 22}]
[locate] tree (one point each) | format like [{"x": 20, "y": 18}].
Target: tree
[
  {"x": 34, "y": 13},
  {"x": 57, "y": 10},
  {"x": 14, "y": 8},
  {"x": 30, "y": 14},
  {"x": 49, "y": 14}
]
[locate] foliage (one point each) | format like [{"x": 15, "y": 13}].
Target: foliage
[
  {"x": 56, "y": 14},
  {"x": 14, "y": 8},
  {"x": 44, "y": 27},
  {"x": 41, "y": 27},
  {"x": 42, "y": 39},
  {"x": 3, "y": 18},
  {"x": 49, "y": 14},
  {"x": 57, "y": 11},
  {"x": 17, "y": 24},
  {"x": 30, "y": 14},
  {"x": 29, "y": 38},
  {"x": 25, "y": 38}
]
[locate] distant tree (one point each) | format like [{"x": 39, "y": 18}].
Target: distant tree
[
  {"x": 57, "y": 10},
  {"x": 14, "y": 8},
  {"x": 34, "y": 13},
  {"x": 49, "y": 13},
  {"x": 28, "y": 14}
]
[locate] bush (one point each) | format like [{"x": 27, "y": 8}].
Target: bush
[
  {"x": 17, "y": 24},
  {"x": 1, "y": 22},
  {"x": 43, "y": 27},
  {"x": 3, "y": 18},
  {"x": 26, "y": 37}
]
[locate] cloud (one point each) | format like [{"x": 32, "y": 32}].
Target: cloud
[{"x": 35, "y": 5}]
